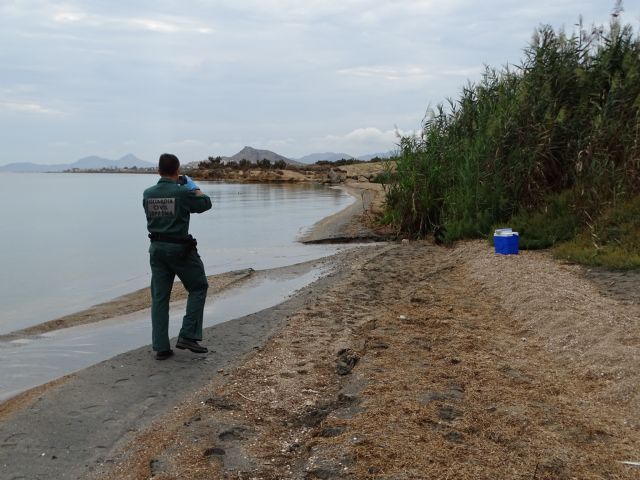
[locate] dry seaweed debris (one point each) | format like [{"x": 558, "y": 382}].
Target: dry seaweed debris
[{"x": 468, "y": 366}]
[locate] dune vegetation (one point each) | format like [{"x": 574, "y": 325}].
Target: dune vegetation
[{"x": 550, "y": 147}]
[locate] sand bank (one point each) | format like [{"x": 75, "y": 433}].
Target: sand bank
[
  {"x": 354, "y": 223},
  {"x": 128, "y": 303}
]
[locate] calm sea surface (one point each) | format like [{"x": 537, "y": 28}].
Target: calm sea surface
[{"x": 69, "y": 241}]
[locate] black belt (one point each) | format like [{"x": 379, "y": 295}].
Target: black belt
[
  {"x": 161, "y": 237},
  {"x": 188, "y": 240}
]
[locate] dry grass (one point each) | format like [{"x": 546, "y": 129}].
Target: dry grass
[{"x": 470, "y": 366}]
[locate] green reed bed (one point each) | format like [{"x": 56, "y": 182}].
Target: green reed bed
[{"x": 547, "y": 147}]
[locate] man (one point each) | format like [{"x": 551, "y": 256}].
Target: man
[{"x": 168, "y": 206}]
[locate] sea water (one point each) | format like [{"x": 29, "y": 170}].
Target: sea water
[{"x": 69, "y": 241}]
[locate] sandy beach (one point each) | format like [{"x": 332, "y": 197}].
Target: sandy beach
[{"x": 406, "y": 361}]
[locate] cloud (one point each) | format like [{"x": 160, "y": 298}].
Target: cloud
[
  {"x": 391, "y": 73},
  {"x": 69, "y": 17},
  {"x": 463, "y": 71},
  {"x": 186, "y": 143},
  {"x": 160, "y": 24},
  {"x": 279, "y": 144},
  {"x": 362, "y": 141},
  {"x": 356, "y": 11},
  {"x": 210, "y": 76},
  {"x": 59, "y": 144},
  {"x": 28, "y": 107}
]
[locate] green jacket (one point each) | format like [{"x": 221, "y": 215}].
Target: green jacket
[{"x": 168, "y": 207}]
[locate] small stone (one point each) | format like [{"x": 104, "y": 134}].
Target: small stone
[
  {"x": 235, "y": 433},
  {"x": 156, "y": 466},
  {"x": 448, "y": 413},
  {"x": 294, "y": 447},
  {"x": 222, "y": 403},
  {"x": 330, "y": 432},
  {"x": 323, "y": 473},
  {"x": 346, "y": 398},
  {"x": 454, "y": 437},
  {"x": 347, "y": 359},
  {"x": 214, "y": 451}
]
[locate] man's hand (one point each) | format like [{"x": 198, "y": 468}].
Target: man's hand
[{"x": 191, "y": 185}]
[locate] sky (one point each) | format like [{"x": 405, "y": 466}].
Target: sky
[{"x": 207, "y": 77}]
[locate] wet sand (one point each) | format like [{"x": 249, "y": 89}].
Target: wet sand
[
  {"x": 61, "y": 429},
  {"x": 354, "y": 223},
  {"x": 486, "y": 366},
  {"x": 126, "y": 304}
]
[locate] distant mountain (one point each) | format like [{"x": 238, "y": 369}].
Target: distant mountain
[
  {"x": 28, "y": 167},
  {"x": 328, "y": 156},
  {"x": 333, "y": 156},
  {"x": 254, "y": 155},
  {"x": 86, "y": 163},
  {"x": 369, "y": 156},
  {"x": 95, "y": 162}
]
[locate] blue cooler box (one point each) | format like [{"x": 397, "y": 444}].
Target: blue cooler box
[{"x": 505, "y": 241}]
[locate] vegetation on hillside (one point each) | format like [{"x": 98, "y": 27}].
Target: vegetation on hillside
[
  {"x": 216, "y": 163},
  {"x": 550, "y": 147}
]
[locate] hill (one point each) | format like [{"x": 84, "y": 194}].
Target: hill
[
  {"x": 334, "y": 157},
  {"x": 327, "y": 156},
  {"x": 254, "y": 155},
  {"x": 370, "y": 156},
  {"x": 86, "y": 163}
]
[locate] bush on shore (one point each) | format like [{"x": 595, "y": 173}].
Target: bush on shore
[{"x": 547, "y": 146}]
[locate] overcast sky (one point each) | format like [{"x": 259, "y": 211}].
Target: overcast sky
[{"x": 207, "y": 77}]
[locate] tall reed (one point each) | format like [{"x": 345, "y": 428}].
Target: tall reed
[{"x": 563, "y": 127}]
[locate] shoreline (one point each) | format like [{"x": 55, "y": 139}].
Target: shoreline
[
  {"x": 489, "y": 365},
  {"x": 62, "y": 389},
  {"x": 323, "y": 231},
  {"x": 135, "y": 384},
  {"x": 353, "y": 223},
  {"x": 126, "y": 304}
]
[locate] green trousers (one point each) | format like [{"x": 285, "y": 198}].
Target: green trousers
[{"x": 167, "y": 261}]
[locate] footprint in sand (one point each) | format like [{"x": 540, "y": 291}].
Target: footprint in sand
[
  {"x": 120, "y": 381},
  {"x": 92, "y": 408}
]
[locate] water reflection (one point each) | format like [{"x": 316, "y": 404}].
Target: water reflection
[{"x": 80, "y": 239}]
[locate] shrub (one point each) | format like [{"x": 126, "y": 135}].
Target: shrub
[{"x": 544, "y": 146}]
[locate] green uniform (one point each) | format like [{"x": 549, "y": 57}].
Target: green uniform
[{"x": 168, "y": 207}]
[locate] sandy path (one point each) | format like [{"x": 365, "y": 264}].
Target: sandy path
[
  {"x": 73, "y": 425},
  {"x": 421, "y": 362},
  {"x": 354, "y": 222}
]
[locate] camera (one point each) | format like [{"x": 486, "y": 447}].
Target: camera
[{"x": 182, "y": 180}]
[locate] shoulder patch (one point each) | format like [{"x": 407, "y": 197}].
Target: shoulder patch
[{"x": 161, "y": 207}]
